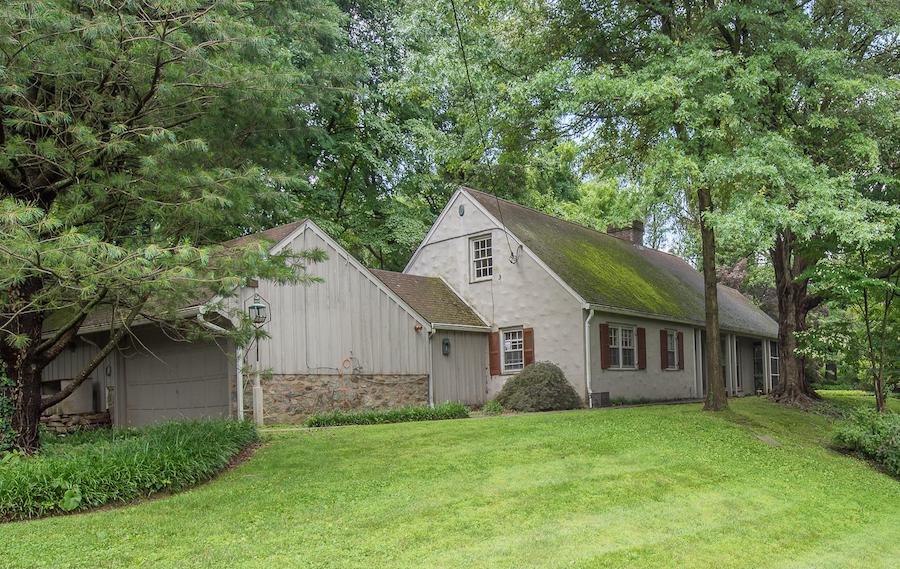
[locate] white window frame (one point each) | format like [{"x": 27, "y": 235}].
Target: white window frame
[
  {"x": 672, "y": 354},
  {"x": 615, "y": 341},
  {"x": 774, "y": 362},
  {"x": 487, "y": 268},
  {"x": 518, "y": 345}
]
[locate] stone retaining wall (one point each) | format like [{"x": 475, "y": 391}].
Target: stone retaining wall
[
  {"x": 292, "y": 398},
  {"x": 63, "y": 423}
]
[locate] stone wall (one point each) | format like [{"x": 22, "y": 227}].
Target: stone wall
[
  {"x": 292, "y": 398},
  {"x": 62, "y": 423}
]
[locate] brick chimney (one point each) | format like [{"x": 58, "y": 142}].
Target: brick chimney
[{"x": 633, "y": 233}]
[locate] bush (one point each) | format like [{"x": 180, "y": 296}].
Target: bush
[
  {"x": 102, "y": 467},
  {"x": 541, "y": 386},
  {"x": 492, "y": 407},
  {"x": 7, "y": 436},
  {"x": 874, "y": 435},
  {"x": 401, "y": 415}
]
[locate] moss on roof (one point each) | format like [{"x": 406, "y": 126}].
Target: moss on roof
[{"x": 608, "y": 271}]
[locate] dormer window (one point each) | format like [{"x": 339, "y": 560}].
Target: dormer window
[{"x": 482, "y": 255}]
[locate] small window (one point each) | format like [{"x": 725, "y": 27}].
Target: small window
[
  {"x": 513, "y": 350},
  {"x": 671, "y": 349},
  {"x": 622, "y": 347},
  {"x": 482, "y": 254}
]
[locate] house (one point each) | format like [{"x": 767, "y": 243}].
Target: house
[
  {"x": 359, "y": 338},
  {"x": 622, "y": 320}
]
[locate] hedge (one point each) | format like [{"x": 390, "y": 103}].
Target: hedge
[
  {"x": 541, "y": 386},
  {"x": 401, "y": 415},
  {"x": 115, "y": 466},
  {"x": 875, "y": 436}
]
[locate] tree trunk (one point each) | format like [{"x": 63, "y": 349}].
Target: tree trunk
[
  {"x": 793, "y": 388},
  {"x": 716, "y": 397},
  {"x": 27, "y": 415}
]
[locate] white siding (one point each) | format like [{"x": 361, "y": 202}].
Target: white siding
[
  {"x": 652, "y": 383},
  {"x": 521, "y": 294},
  {"x": 343, "y": 324}
]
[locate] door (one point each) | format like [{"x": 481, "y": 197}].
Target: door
[{"x": 175, "y": 380}]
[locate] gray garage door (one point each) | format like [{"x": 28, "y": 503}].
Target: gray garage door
[{"x": 179, "y": 381}]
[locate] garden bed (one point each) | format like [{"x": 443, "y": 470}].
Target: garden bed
[{"x": 95, "y": 468}]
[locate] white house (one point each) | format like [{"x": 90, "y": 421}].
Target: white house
[{"x": 622, "y": 320}]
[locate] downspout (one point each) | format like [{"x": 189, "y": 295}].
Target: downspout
[
  {"x": 429, "y": 343},
  {"x": 587, "y": 358}
]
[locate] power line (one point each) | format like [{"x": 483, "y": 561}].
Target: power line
[{"x": 481, "y": 131}]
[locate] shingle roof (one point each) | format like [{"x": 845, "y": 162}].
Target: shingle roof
[
  {"x": 608, "y": 271},
  {"x": 274, "y": 234},
  {"x": 431, "y": 298}
]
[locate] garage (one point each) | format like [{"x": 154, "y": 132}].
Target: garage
[{"x": 167, "y": 380}]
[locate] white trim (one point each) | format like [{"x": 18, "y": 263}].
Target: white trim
[
  {"x": 460, "y": 327},
  {"x": 669, "y": 366},
  {"x": 503, "y": 331},
  {"x": 587, "y": 358},
  {"x": 473, "y": 277},
  {"x": 620, "y": 326}
]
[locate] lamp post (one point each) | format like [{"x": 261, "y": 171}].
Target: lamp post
[{"x": 258, "y": 312}]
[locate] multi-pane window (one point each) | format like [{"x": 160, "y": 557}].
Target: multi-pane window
[
  {"x": 621, "y": 347},
  {"x": 482, "y": 258},
  {"x": 671, "y": 350},
  {"x": 513, "y": 350},
  {"x": 774, "y": 362}
]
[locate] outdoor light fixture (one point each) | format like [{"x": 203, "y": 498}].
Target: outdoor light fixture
[{"x": 258, "y": 311}]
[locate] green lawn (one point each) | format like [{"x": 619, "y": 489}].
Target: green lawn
[{"x": 660, "y": 486}]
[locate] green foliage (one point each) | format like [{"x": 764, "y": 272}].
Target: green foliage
[
  {"x": 541, "y": 386},
  {"x": 91, "y": 469},
  {"x": 492, "y": 407},
  {"x": 440, "y": 412},
  {"x": 7, "y": 434},
  {"x": 874, "y": 435}
]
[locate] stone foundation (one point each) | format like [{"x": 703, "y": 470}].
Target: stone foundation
[
  {"x": 292, "y": 398},
  {"x": 64, "y": 423}
]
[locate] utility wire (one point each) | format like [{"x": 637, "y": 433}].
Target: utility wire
[{"x": 481, "y": 131}]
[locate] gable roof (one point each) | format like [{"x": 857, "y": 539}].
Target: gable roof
[
  {"x": 606, "y": 271},
  {"x": 431, "y": 297}
]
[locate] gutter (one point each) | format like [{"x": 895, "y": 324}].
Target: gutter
[{"x": 587, "y": 357}]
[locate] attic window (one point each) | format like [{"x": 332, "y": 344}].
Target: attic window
[{"x": 482, "y": 255}]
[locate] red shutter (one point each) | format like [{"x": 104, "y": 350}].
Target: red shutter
[
  {"x": 680, "y": 339},
  {"x": 664, "y": 349},
  {"x": 494, "y": 352},
  {"x": 528, "y": 345},
  {"x": 642, "y": 348},
  {"x": 604, "y": 346}
]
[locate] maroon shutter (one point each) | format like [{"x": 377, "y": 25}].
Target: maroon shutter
[
  {"x": 604, "y": 346},
  {"x": 664, "y": 349},
  {"x": 494, "y": 352},
  {"x": 642, "y": 348},
  {"x": 680, "y": 342},
  {"x": 528, "y": 345}
]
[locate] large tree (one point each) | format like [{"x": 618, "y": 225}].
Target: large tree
[{"x": 133, "y": 137}]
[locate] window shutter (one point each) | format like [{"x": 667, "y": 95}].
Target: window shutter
[
  {"x": 494, "y": 352},
  {"x": 664, "y": 349},
  {"x": 528, "y": 345},
  {"x": 604, "y": 346},
  {"x": 642, "y": 348},
  {"x": 680, "y": 343}
]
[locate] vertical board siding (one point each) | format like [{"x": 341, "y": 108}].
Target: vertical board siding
[
  {"x": 461, "y": 376},
  {"x": 344, "y": 319}
]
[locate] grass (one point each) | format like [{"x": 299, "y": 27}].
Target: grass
[
  {"x": 846, "y": 400},
  {"x": 649, "y": 487}
]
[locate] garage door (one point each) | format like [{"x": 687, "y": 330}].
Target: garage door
[{"x": 177, "y": 381}]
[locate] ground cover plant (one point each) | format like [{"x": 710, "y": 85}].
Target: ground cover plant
[
  {"x": 875, "y": 436},
  {"x": 448, "y": 410},
  {"x": 541, "y": 386},
  {"x": 96, "y": 468},
  {"x": 650, "y": 487}
]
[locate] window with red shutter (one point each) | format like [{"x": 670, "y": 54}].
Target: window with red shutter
[{"x": 494, "y": 352}]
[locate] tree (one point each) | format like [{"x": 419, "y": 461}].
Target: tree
[{"x": 133, "y": 137}]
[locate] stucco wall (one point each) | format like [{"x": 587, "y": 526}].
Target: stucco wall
[
  {"x": 520, "y": 294},
  {"x": 652, "y": 383}
]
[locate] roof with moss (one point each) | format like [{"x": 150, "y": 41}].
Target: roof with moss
[
  {"x": 607, "y": 271},
  {"x": 431, "y": 297}
]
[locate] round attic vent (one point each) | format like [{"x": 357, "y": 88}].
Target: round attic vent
[{"x": 462, "y": 210}]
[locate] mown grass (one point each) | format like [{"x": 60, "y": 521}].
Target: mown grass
[{"x": 649, "y": 487}]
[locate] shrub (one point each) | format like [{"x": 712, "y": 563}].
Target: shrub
[
  {"x": 873, "y": 435},
  {"x": 492, "y": 407},
  {"x": 541, "y": 386},
  {"x": 102, "y": 467},
  {"x": 379, "y": 416},
  {"x": 7, "y": 436}
]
